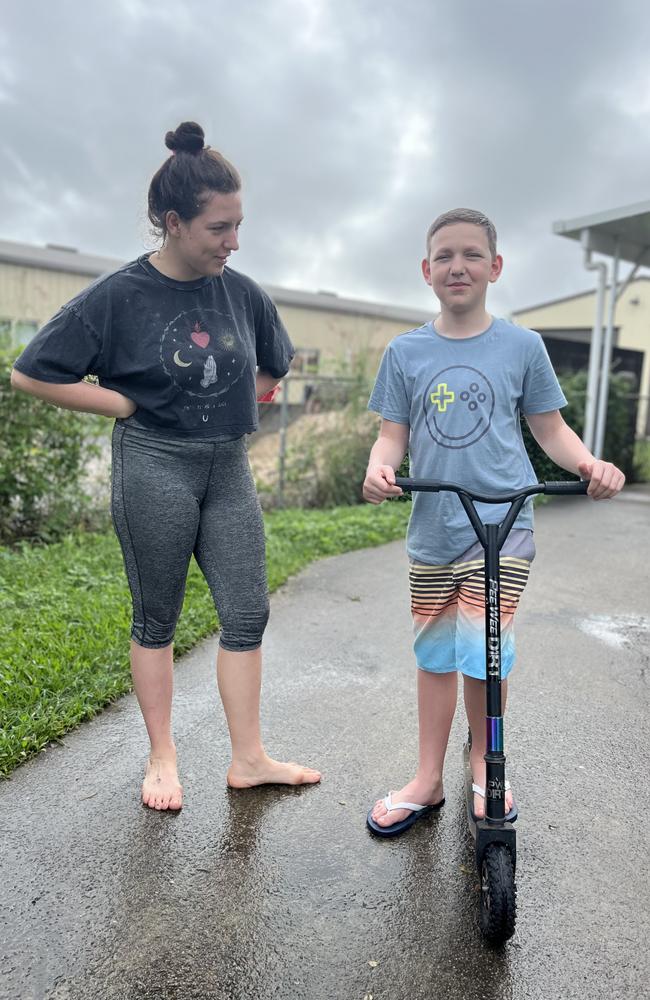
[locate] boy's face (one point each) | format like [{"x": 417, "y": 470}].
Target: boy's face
[{"x": 460, "y": 266}]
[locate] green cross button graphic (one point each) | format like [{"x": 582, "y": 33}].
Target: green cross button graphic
[{"x": 442, "y": 396}]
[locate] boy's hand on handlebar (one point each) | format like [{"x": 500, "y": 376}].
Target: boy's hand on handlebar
[
  {"x": 379, "y": 484},
  {"x": 606, "y": 480}
]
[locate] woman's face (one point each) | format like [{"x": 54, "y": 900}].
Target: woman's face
[{"x": 203, "y": 245}]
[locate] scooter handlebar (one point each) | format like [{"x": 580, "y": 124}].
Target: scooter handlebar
[
  {"x": 433, "y": 486},
  {"x": 567, "y": 488}
]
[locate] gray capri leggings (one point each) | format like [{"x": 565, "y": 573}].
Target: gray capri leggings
[{"x": 172, "y": 498}]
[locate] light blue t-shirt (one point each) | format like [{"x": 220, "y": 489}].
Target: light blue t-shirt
[{"x": 462, "y": 400}]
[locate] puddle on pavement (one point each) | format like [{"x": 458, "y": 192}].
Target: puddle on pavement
[{"x": 616, "y": 630}]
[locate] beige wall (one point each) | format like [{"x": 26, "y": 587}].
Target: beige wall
[
  {"x": 32, "y": 293},
  {"x": 632, "y": 318},
  {"x": 339, "y": 338}
]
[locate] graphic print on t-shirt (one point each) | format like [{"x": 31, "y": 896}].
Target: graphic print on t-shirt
[
  {"x": 202, "y": 352},
  {"x": 458, "y": 406}
]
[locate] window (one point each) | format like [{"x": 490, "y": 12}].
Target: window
[
  {"x": 305, "y": 361},
  {"x": 24, "y": 330}
]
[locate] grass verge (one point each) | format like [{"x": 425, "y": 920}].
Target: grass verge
[{"x": 65, "y": 616}]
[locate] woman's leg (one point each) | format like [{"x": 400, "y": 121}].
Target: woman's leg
[
  {"x": 230, "y": 551},
  {"x": 437, "y": 695},
  {"x": 152, "y": 672},
  {"x": 156, "y": 515},
  {"x": 239, "y": 676}
]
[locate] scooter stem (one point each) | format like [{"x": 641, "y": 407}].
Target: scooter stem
[{"x": 495, "y": 760}]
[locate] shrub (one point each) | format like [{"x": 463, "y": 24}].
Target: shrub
[
  {"x": 326, "y": 466},
  {"x": 43, "y": 451},
  {"x": 619, "y": 438}
]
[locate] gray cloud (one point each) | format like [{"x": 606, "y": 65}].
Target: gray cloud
[{"x": 353, "y": 125}]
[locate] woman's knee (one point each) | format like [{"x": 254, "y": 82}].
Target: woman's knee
[
  {"x": 243, "y": 631},
  {"x": 152, "y": 634}
]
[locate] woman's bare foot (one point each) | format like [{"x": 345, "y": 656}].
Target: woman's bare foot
[
  {"x": 266, "y": 771},
  {"x": 161, "y": 788},
  {"x": 478, "y": 774},
  {"x": 420, "y": 791}
]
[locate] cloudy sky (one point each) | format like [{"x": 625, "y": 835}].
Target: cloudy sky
[{"x": 353, "y": 123}]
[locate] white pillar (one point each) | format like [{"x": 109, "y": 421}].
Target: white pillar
[
  {"x": 595, "y": 349},
  {"x": 603, "y": 392}
]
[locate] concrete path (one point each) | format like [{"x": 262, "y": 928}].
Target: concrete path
[{"x": 282, "y": 893}]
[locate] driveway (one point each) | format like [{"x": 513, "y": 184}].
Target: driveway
[{"x": 282, "y": 893}]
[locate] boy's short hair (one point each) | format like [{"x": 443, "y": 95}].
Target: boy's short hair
[{"x": 464, "y": 215}]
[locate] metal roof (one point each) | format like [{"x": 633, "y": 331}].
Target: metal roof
[
  {"x": 57, "y": 258},
  {"x": 629, "y": 225},
  {"x": 589, "y": 292}
]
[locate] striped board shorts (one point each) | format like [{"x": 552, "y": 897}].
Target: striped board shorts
[{"x": 448, "y": 607}]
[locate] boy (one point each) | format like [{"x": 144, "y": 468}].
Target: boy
[{"x": 451, "y": 393}]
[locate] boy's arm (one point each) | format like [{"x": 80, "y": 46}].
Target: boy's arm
[
  {"x": 386, "y": 456},
  {"x": 85, "y": 397},
  {"x": 565, "y": 448}
]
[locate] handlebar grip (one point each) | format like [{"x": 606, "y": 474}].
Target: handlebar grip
[
  {"x": 566, "y": 488},
  {"x": 419, "y": 485}
]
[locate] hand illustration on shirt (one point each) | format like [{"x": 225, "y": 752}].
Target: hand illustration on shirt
[{"x": 209, "y": 372}]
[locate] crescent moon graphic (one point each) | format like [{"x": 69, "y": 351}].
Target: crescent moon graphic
[{"x": 181, "y": 364}]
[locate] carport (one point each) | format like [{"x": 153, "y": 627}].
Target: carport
[{"x": 623, "y": 235}]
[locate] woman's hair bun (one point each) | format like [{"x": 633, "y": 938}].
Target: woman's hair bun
[{"x": 188, "y": 138}]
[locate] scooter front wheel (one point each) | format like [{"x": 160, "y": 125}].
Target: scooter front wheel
[{"x": 498, "y": 894}]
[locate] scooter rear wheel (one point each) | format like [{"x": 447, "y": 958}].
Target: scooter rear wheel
[{"x": 498, "y": 894}]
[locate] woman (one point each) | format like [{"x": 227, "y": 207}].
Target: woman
[{"x": 183, "y": 348}]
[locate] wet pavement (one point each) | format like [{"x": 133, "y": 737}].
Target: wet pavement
[{"x": 283, "y": 893}]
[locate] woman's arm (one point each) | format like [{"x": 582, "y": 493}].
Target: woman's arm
[
  {"x": 265, "y": 383},
  {"x": 82, "y": 396},
  {"x": 564, "y": 447}
]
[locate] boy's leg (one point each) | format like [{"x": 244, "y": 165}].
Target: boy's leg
[
  {"x": 433, "y": 606},
  {"x": 437, "y": 694},
  {"x": 474, "y": 696}
]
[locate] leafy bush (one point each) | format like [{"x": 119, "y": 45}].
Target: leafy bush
[
  {"x": 327, "y": 466},
  {"x": 43, "y": 451},
  {"x": 619, "y": 438}
]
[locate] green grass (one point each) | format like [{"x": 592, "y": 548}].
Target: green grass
[{"x": 65, "y": 616}]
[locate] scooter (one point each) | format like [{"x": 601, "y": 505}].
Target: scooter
[{"x": 494, "y": 836}]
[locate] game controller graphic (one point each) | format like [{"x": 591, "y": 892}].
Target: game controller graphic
[{"x": 458, "y": 406}]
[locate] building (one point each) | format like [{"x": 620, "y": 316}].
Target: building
[{"x": 566, "y": 325}]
